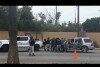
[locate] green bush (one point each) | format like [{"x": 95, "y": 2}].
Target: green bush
[{"x": 95, "y": 44}]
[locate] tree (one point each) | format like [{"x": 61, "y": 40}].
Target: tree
[
  {"x": 3, "y": 18},
  {"x": 27, "y": 22},
  {"x": 38, "y": 27},
  {"x": 58, "y": 16},
  {"x": 26, "y": 17},
  {"x": 72, "y": 27},
  {"x": 13, "y": 57},
  {"x": 52, "y": 16},
  {"x": 42, "y": 16},
  {"x": 20, "y": 21},
  {"x": 64, "y": 27},
  {"x": 92, "y": 25}
]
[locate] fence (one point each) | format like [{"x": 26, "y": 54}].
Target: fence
[{"x": 93, "y": 35}]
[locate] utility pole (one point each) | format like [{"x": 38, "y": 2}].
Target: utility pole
[
  {"x": 56, "y": 15},
  {"x": 75, "y": 20},
  {"x": 75, "y": 14},
  {"x": 78, "y": 21}
]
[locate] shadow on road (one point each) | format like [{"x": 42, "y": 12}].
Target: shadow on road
[
  {"x": 79, "y": 52},
  {"x": 69, "y": 51}
]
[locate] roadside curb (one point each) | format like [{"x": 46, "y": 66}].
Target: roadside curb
[{"x": 97, "y": 48}]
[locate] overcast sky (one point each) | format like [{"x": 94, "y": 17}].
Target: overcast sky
[{"x": 68, "y": 12}]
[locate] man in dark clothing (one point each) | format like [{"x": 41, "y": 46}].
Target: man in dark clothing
[
  {"x": 62, "y": 44},
  {"x": 44, "y": 44},
  {"x": 52, "y": 44},
  {"x": 58, "y": 43},
  {"x": 48, "y": 44},
  {"x": 31, "y": 50}
]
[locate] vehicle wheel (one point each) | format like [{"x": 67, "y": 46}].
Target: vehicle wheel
[
  {"x": 5, "y": 48},
  {"x": 36, "y": 47},
  {"x": 84, "y": 49}
]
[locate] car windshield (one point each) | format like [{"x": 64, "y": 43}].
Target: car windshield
[{"x": 87, "y": 40}]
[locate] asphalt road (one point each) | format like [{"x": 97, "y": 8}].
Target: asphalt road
[{"x": 43, "y": 57}]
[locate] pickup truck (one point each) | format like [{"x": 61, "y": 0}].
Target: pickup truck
[{"x": 22, "y": 42}]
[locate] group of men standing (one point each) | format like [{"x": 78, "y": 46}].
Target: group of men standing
[{"x": 54, "y": 44}]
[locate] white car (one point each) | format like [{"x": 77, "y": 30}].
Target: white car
[{"x": 40, "y": 43}]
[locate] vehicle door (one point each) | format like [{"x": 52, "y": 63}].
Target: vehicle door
[
  {"x": 23, "y": 43},
  {"x": 71, "y": 45},
  {"x": 79, "y": 43}
]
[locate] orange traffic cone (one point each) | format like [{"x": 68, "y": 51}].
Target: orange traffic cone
[{"x": 75, "y": 54}]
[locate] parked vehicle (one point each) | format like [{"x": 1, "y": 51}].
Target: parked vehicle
[
  {"x": 38, "y": 44},
  {"x": 80, "y": 43},
  {"x": 22, "y": 42}
]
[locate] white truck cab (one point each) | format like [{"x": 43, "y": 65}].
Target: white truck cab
[{"x": 22, "y": 42}]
